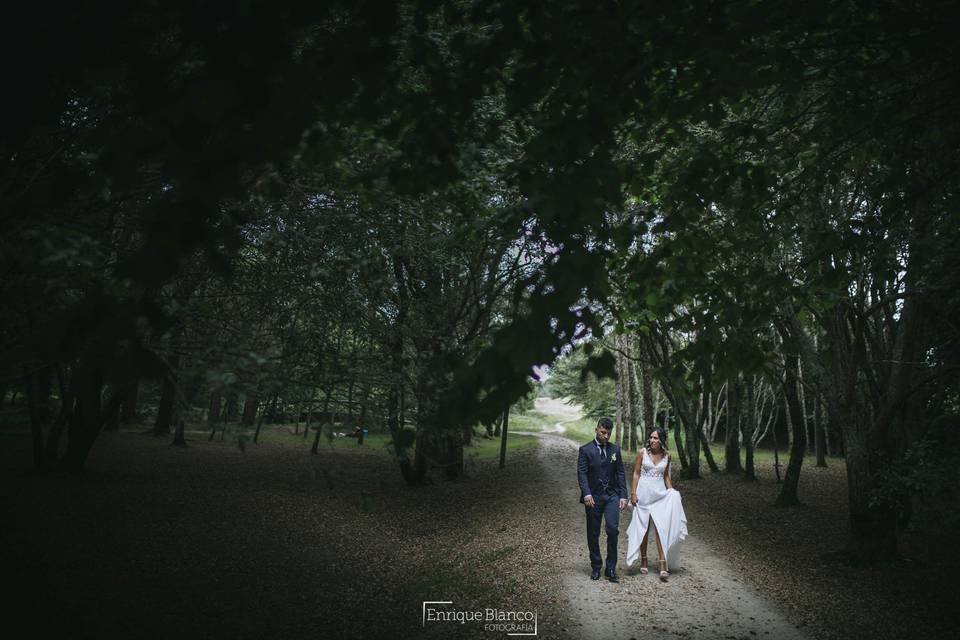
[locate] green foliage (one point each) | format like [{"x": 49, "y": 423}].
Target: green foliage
[
  {"x": 415, "y": 203},
  {"x": 571, "y": 377},
  {"x": 928, "y": 476},
  {"x": 489, "y": 448},
  {"x": 525, "y": 403}
]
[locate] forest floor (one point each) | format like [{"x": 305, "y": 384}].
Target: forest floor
[{"x": 220, "y": 541}]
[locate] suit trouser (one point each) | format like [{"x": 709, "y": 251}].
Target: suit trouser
[{"x": 607, "y": 507}]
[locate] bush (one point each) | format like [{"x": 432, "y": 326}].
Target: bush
[{"x": 924, "y": 486}]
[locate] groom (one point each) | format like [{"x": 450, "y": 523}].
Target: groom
[{"x": 603, "y": 492}]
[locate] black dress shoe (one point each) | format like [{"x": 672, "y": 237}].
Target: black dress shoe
[
  {"x": 595, "y": 574},
  {"x": 611, "y": 575}
]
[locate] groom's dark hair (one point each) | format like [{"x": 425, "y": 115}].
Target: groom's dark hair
[{"x": 606, "y": 423}]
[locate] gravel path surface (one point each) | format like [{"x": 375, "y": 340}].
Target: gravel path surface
[{"x": 702, "y": 599}]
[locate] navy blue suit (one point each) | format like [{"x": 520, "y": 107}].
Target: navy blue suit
[{"x": 603, "y": 478}]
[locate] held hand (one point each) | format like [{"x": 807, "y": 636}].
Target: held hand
[
  {"x": 633, "y": 500},
  {"x": 623, "y": 504},
  {"x": 589, "y": 502}
]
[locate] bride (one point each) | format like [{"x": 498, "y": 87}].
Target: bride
[{"x": 657, "y": 506}]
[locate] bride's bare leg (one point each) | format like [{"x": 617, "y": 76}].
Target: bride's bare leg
[
  {"x": 660, "y": 553},
  {"x": 643, "y": 551},
  {"x": 653, "y": 527}
]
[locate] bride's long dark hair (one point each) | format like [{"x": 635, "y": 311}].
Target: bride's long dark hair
[{"x": 663, "y": 437}]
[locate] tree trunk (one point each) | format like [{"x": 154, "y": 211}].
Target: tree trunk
[
  {"x": 819, "y": 434},
  {"x": 872, "y": 527},
  {"x": 67, "y": 394},
  {"x": 112, "y": 420},
  {"x": 677, "y": 439},
  {"x": 186, "y": 396},
  {"x": 788, "y": 491},
  {"x": 128, "y": 406},
  {"x": 179, "y": 438},
  {"x": 821, "y": 413},
  {"x": 250, "y": 405},
  {"x": 632, "y": 402},
  {"x": 364, "y": 403},
  {"x": 649, "y": 410},
  {"x": 213, "y": 411},
  {"x": 707, "y": 453},
  {"x": 692, "y": 444},
  {"x": 263, "y": 415},
  {"x": 43, "y": 388},
  {"x": 421, "y": 454},
  {"x": 306, "y": 425},
  {"x": 453, "y": 453},
  {"x": 326, "y": 409},
  {"x": 503, "y": 438},
  {"x": 349, "y": 409},
  {"x": 232, "y": 407},
  {"x": 168, "y": 397},
  {"x": 776, "y": 450},
  {"x": 620, "y": 384},
  {"x": 808, "y": 434},
  {"x": 161, "y": 425},
  {"x": 688, "y": 446},
  {"x": 412, "y": 473},
  {"x": 395, "y": 426},
  {"x": 732, "y": 436},
  {"x": 87, "y": 418},
  {"x": 749, "y": 423},
  {"x": 36, "y": 426}
]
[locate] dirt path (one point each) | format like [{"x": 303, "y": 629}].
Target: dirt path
[{"x": 703, "y": 598}]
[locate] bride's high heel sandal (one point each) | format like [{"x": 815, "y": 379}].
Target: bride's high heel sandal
[
  {"x": 663, "y": 570},
  {"x": 643, "y": 565}
]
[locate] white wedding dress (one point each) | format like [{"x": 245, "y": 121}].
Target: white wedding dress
[{"x": 655, "y": 501}]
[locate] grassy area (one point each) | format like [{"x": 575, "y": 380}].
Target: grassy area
[
  {"x": 582, "y": 430},
  {"x": 374, "y": 444},
  {"x": 532, "y": 420},
  {"x": 763, "y": 457},
  {"x": 760, "y": 456},
  {"x": 579, "y": 431},
  {"x": 284, "y": 434},
  {"x": 484, "y": 448}
]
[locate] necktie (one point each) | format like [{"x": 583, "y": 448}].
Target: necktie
[{"x": 603, "y": 453}]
